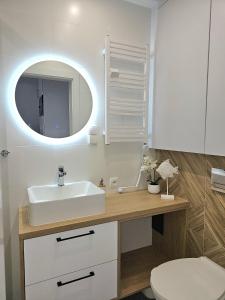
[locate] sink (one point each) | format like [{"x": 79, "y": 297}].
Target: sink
[{"x": 51, "y": 203}]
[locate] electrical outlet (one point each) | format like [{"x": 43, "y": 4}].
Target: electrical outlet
[{"x": 113, "y": 182}]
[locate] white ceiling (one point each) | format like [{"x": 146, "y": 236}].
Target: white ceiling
[{"x": 147, "y": 3}]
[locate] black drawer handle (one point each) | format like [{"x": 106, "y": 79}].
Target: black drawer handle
[
  {"x": 60, "y": 283},
  {"x": 59, "y": 239}
]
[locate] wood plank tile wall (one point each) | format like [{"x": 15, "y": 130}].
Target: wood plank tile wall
[{"x": 205, "y": 233}]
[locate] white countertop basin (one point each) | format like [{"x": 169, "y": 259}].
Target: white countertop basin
[{"x": 53, "y": 203}]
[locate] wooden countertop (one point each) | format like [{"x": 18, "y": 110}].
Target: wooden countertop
[{"x": 119, "y": 207}]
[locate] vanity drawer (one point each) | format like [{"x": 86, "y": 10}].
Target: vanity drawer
[
  {"x": 97, "y": 283},
  {"x": 61, "y": 253}
]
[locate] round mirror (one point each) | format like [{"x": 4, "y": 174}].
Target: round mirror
[{"x": 53, "y": 99}]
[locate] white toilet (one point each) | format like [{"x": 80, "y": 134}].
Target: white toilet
[{"x": 188, "y": 279}]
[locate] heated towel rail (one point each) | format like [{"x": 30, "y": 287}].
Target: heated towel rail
[{"x": 126, "y": 92}]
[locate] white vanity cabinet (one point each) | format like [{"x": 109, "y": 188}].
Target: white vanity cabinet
[
  {"x": 77, "y": 264},
  {"x": 181, "y": 75},
  {"x": 215, "y": 118}
]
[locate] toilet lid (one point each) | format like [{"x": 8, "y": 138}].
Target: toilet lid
[{"x": 189, "y": 278}]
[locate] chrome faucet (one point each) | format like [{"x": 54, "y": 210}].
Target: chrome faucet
[{"x": 61, "y": 175}]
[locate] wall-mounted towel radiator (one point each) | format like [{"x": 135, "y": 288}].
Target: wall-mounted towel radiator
[{"x": 126, "y": 92}]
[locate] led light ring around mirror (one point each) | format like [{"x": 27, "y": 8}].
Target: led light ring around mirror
[{"x": 20, "y": 122}]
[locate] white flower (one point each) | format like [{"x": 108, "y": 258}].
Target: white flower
[
  {"x": 144, "y": 168},
  {"x": 148, "y": 164}
]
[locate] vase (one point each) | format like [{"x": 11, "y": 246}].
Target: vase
[{"x": 153, "y": 188}]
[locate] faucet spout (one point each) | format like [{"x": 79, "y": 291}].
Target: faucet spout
[{"x": 61, "y": 175}]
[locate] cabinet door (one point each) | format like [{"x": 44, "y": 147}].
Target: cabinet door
[
  {"x": 215, "y": 120},
  {"x": 181, "y": 75},
  {"x": 95, "y": 283},
  {"x": 69, "y": 251}
]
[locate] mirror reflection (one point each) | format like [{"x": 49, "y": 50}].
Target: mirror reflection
[{"x": 53, "y": 99}]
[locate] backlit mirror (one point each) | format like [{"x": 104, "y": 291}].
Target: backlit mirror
[{"x": 53, "y": 99}]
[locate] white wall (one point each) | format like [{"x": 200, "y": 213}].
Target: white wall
[
  {"x": 2, "y": 248},
  {"x": 136, "y": 234},
  {"x": 2, "y": 239},
  {"x": 75, "y": 29}
]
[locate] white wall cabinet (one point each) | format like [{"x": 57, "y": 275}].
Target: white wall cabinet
[
  {"x": 84, "y": 260},
  {"x": 215, "y": 120},
  {"x": 181, "y": 75}
]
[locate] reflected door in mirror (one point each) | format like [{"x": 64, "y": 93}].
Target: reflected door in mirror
[{"x": 53, "y": 99}]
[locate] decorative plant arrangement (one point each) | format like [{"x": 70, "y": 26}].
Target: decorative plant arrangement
[{"x": 149, "y": 165}]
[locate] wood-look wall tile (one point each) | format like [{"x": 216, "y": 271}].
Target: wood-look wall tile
[
  {"x": 206, "y": 217},
  {"x": 216, "y": 222},
  {"x": 190, "y": 184},
  {"x": 194, "y": 245},
  {"x": 212, "y": 247},
  {"x": 214, "y": 237}
]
